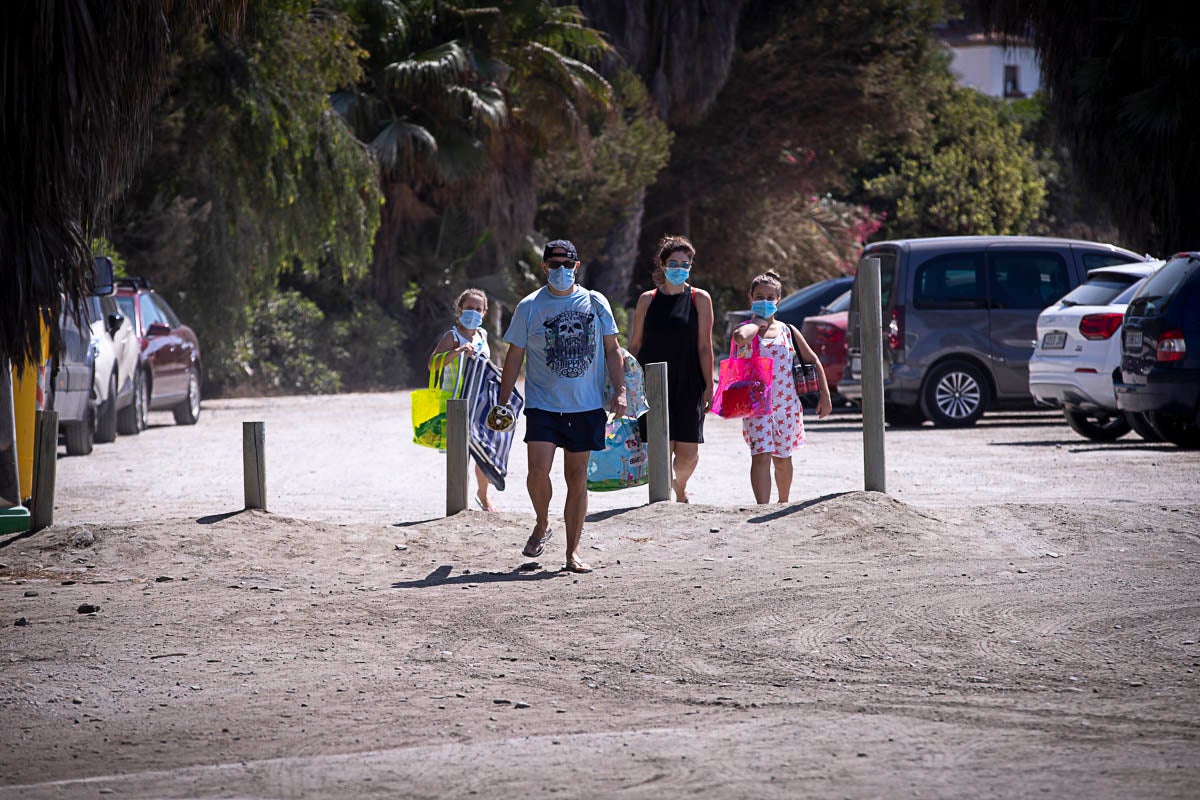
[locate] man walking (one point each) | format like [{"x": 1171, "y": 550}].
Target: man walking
[{"x": 570, "y": 338}]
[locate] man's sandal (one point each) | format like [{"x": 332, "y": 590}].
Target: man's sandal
[
  {"x": 539, "y": 545},
  {"x": 577, "y": 566}
]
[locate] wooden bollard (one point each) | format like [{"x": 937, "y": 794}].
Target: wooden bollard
[
  {"x": 254, "y": 464},
  {"x": 45, "y": 470},
  {"x": 658, "y": 431},
  {"x": 458, "y": 458}
]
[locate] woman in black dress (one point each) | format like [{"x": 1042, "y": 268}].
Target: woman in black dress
[{"x": 673, "y": 323}]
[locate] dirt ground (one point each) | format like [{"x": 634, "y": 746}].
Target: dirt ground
[{"x": 1018, "y": 617}]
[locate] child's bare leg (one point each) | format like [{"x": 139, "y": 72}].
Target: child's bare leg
[
  {"x": 482, "y": 493},
  {"x": 783, "y": 477},
  {"x": 760, "y": 477}
]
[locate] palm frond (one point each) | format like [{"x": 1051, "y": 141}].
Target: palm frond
[
  {"x": 485, "y": 106},
  {"x": 427, "y": 71},
  {"x": 403, "y": 147}
]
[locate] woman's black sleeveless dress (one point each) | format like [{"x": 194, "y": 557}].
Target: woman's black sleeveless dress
[{"x": 670, "y": 333}]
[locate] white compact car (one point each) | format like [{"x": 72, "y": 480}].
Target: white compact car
[
  {"x": 117, "y": 350},
  {"x": 1078, "y": 348}
]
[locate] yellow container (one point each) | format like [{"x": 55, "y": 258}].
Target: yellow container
[{"x": 25, "y": 406}]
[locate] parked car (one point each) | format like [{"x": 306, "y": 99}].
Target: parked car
[
  {"x": 960, "y": 316},
  {"x": 117, "y": 356},
  {"x": 794, "y": 308},
  {"x": 72, "y": 384},
  {"x": 1078, "y": 352},
  {"x": 171, "y": 368},
  {"x": 73, "y": 388},
  {"x": 1160, "y": 358},
  {"x": 825, "y": 332}
]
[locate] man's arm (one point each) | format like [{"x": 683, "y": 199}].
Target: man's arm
[
  {"x": 512, "y": 368},
  {"x": 616, "y": 374}
]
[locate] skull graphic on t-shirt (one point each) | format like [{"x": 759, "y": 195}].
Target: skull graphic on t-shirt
[{"x": 570, "y": 343}]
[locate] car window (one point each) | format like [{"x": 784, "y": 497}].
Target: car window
[
  {"x": 842, "y": 303},
  {"x": 150, "y": 312},
  {"x": 887, "y": 277},
  {"x": 165, "y": 311},
  {"x": 128, "y": 307},
  {"x": 1155, "y": 294},
  {"x": 1130, "y": 291},
  {"x": 803, "y": 296},
  {"x": 1099, "y": 290},
  {"x": 94, "y": 312},
  {"x": 1093, "y": 260},
  {"x": 1030, "y": 280},
  {"x": 952, "y": 280}
]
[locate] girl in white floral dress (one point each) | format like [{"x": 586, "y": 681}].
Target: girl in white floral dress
[{"x": 773, "y": 438}]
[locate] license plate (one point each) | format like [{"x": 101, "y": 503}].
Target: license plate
[
  {"x": 1133, "y": 341},
  {"x": 1054, "y": 340}
]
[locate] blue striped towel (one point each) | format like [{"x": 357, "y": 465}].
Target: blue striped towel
[{"x": 481, "y": 388}]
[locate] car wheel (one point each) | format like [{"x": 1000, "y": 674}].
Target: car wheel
[
  {"x": 1097, "y": 427},
  {"x": 131, "y": 420},
  {"x": 187, "y": 412},
  {"x": 78, "y": 436},
  {"x": 955, "y": 395},
  {"x": 1178, "y": 430},
  {"x": 1141, "y": 425},
  {"x": 903, "y": 416},
  {"x": 106, "y": 414}
]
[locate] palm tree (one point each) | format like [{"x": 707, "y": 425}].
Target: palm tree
[
  {"x": 78, "y": 80},
  {"x": 459, "y": 97},
  {"x": 1122, "y": 78}
]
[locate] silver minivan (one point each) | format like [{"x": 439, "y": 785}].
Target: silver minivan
[{"x": 960, "y": 317}]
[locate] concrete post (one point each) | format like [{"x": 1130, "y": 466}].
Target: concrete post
[
  {"x": 458, "y": 458},
  {"x": 658, "y": 431},
  {"x": 871, "y": 335}
]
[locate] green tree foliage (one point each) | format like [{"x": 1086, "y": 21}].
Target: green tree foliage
[
  {"x": 78, "y": 80},
  {"x": 1122, "y": 78},
  {"x": 589, "y": 191},
  {"x": 967, "y": 171},
  {"x": 457, "y": 101},
  {"x": 252, "y": 174},
  {"x": 809, "y": 82}
]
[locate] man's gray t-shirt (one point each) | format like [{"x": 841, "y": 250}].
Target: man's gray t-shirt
[{"x": 564, "y": 348}]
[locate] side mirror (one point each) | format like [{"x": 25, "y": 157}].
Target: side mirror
[
  {"x": 102, "y": 276},
  {"x": 158, "y": 329},
  {"x": 115, "y": 321}
]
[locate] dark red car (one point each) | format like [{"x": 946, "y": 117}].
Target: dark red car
[
  {"x": 170, "y": 368},
  {"x": 826, "y": 335}
]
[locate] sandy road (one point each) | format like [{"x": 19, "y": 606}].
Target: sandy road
[{"x": 1018, "y": 618}]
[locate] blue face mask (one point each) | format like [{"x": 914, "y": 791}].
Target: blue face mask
[
  {"x": 676, "y": 275},
  {"x": 562, "y": 279},
  {"x": 470, "y": 318},
  {"x": 763, "y": 308}
]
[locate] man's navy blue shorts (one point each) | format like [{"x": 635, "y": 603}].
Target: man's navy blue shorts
[{"x": 576, "y": 432}]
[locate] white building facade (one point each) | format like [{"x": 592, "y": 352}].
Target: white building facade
[{"x": 985, "y": 64}]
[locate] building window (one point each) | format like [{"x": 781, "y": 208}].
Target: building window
[{"x": 1012, "y": 81}]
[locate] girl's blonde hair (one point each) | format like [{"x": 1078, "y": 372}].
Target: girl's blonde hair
[
  {"x": 771, "y": 278},
  {"x": 471, "y": 293},
  {"x": 666, "y": 245}
]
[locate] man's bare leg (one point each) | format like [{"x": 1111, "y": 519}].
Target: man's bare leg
[
  {"x": 537, "y": 482},
  {"x": 575, "y": 467}
]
